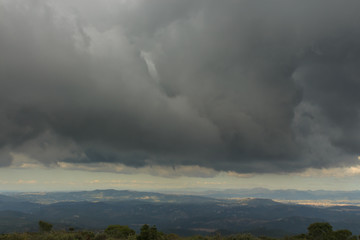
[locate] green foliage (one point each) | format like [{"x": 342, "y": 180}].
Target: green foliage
[
  {"x": 84, "y": 235},
  {"x": 101, "y": 236},
  {"x": 13, "y": 236},
  {"x": 149, "y": 233},
  {"x": 316, "y": 231},
  {"x": 266, "y": 238},
  {"x": 119, "y": 231},
  {"x": 342, "y": 234},
  {"x": 297, "y": 237},
  {"x": 144, "y": 232},
  {"x": 45, "y": 226},
  {"x": 132, "y": 237},
  {"x": 320, "y": 231},
  {"x": 244, "y": 236},
  {"x": 153, "y": 233},
  {"x": 172, "y": 236},
  {"x": 197, "y": 237},
  {"x": 323, "y": 231}
]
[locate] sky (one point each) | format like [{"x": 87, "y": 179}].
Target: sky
[{"x": 179, "y": 94}]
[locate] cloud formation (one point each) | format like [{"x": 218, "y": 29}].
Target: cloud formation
[{"x": 237, "y": 86}]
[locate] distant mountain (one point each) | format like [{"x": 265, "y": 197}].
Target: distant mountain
[
  {"x": 289, "y": 194},
  {"x": 4, "y": 198},
  {"x": 181, "y": 214},
  {"x": 107, "y": 195},
  {"x": 16, "y": 221},
  {"x": 256, "y": 202},
  {"x": 12, "y": 203}
]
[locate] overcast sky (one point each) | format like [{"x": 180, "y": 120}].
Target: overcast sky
[{"x": 242, "y": 92}]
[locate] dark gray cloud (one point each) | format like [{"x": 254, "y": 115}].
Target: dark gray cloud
[{"x": 247, "y": 86}]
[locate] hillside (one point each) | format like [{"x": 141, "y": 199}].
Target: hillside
[{"x": 180, "y": 214}]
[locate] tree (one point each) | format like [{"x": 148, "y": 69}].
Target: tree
[
  {"x": 153, "y": 233},
  {"x": 44, "y": 226},
  {"x": 342, "y": 234},
  {"x": 320, "y": 231},
  {"x": 148, "y": 233},
  {"x": 144, "y": 232},
  {"x": 119, "y": 231}
]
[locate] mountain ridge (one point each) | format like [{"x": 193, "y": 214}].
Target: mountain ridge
[{"x": 170, "y": 213}]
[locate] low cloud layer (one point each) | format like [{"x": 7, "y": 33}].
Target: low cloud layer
[{"x": 242, "y": 86}]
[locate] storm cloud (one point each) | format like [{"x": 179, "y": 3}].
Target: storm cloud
[{"x": 246, "y": 86}]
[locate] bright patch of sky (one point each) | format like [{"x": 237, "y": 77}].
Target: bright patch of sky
[{"x": 58, "y": 179}]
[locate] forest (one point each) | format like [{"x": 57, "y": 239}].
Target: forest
[{"x": 315, "y": 231}]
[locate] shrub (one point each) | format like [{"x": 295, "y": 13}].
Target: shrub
[
  {"x": 119, "y": 231},
  {"x": 44, "y": 226}
]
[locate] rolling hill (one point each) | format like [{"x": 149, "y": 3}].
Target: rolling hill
[{"x": 181, "y": 214}]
